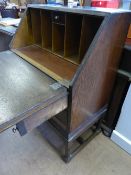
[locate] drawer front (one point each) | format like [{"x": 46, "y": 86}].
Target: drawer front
[
  {"x": 4, "y": 41},
  {"x": 41, "y": 116},
  {"x": 58, "y": 18}
]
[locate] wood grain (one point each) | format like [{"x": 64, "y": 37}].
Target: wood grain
[
  {"x": 120, "y": 89},
  {"x": 92, "y": 83},
  {"x": 92, "y": 86},
  {"x": 36, "y": 119}
]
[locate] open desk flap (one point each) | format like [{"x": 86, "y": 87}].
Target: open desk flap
[{"x": 26, "y": 92}]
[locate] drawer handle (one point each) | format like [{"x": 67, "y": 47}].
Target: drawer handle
[
  {"x": 14, "y": 130},
  {"x": 56, "y": 17}
]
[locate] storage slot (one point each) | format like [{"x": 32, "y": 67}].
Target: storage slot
[
  {"x": 29, "y": 24},
  {"x": 72, "y": 36},
  {"x": 46, "y": 29},
  {"x": 36, "y": 26},
  {"x": 58, "y": 39},
  {"x": 90, "y": 26}
]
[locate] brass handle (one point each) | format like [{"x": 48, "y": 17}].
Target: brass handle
[
  {"x": 14, "y": 130},
  {"x": 56, "y": 17}
]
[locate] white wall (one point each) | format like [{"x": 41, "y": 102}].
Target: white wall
[{"x": 122, "y": 133}]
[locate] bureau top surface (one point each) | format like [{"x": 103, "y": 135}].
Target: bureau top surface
[
  {"x": 82, "y": 10},
  {"x": 23, "y": 88}
]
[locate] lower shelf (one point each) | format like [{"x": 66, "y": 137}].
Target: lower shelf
[{"x": 67, "y": 150}]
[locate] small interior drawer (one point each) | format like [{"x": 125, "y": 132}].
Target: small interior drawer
[{"x": 58, "y": 18}]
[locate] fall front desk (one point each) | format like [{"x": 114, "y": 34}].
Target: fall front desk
[{"x": 60, "y": 72}]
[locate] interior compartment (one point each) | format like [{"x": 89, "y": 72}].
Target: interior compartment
[
  {"x": 46, "y": 29},
  {"x": 49, "y": 63},
  {"x": 63, "y": 40},
  {"x": 29, "y": 24},
  {"x": 90, "y": 26},
  {"x": 36, "y": 26},
  {"x": 58, "y": 39},
  {"x": 72, "y": 36}
]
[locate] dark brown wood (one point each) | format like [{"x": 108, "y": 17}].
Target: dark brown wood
[
  {"x": 119, "y": 92},
  {"x": 75, "y": 37},
  {"x": 118, "y": 95},
  {"x": 126, "y": 59},
  {"x": 5, "y": 40},
  {"x": 66, "y": 149},
  {"x": 80, "y": 49},
  {"x": 37, "y": 118},
  {"x": 92, "y": 87},
  {"x": 6, "y": 34},
  {"x": 88, "y": 122}
]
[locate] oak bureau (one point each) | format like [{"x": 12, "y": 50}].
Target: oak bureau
[{"x": 60, "y": 71}]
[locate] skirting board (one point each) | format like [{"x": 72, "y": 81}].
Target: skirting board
[{"x": 122, "y": 141}]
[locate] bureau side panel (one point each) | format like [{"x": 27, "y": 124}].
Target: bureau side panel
[
  {"x": 23, "y": 35},
  {"x": 93, "y": 85}
]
